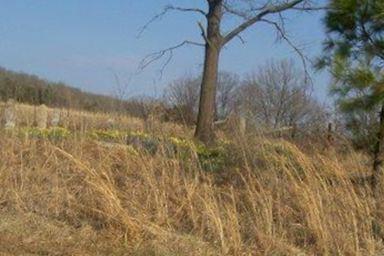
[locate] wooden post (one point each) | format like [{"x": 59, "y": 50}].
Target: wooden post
[
  {"x": 330, "y": 134},
  {"x": 294, "y": 131}
]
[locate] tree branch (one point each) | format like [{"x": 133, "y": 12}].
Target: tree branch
[
  {"x": 245, "y": 14},
  {"x": 258, "y": 17},
  {"x": 285, "y": 37},
  {"x": 150, "y": 58},
  {"x": 313, "y": 8},
  {"x": 182, "y": 9},
  {"x": 167, "y": 9},
  {"x": 203, "y": 34}
]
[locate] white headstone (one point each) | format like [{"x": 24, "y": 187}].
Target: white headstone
[
  {"x": 55, "y": 118},
  {"x": 10, "y": 114},
  {"x": 111, "y": 123},
  {"x": 42, "y": 117},
  {"x": 242, "y": 125}
]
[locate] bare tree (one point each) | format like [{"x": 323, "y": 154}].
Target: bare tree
[
  {"x": 121, "y": 91},
  {"x": 250, "y": 12},
  {"x": 226, "y": 91},
  {"x": 278, "y": 95},
  {"x": 183, "y": 95}
]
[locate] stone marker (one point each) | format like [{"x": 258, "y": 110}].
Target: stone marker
[
  {"x": 42, "y": 117},
  {"x": 111, "y": 124},
  {"x": 55, "y": 117},
  {"x": 242, "y": 125},
  {"x": 10, "y": 114}
]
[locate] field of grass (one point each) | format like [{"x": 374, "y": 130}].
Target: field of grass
[{"x": 134, "y": 190}]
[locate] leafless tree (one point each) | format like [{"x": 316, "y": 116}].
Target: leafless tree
[
  {"x": 121, "y": 91},
  {"x": 226, "y": 93},
  {"x": 277, "y": 96},
  {"x": 249, "y": 12},
  {"x": 183, "y": 96}
]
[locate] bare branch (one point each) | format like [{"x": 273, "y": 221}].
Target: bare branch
[
  {"x": 311, "y": 8},
  {"x": 268, "y": 10},
  {"x": 197, "y": 10},
  {"x": 284, "y": 36},
  {"x": 151, "y": 58},
  {"x": 167, "y": 9},
  {"x": 203, "y": 34},
  {"x": 241, "y": 14},
  {"x": 245, "y": 14},
  {"x": 152, "y": 20},
  {"x": 241, "y": 39},
  {"x": 121, "y": 86}
]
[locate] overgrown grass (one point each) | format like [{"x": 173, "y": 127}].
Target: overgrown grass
[
  {"x": 125, "y": 189},
  {"x": 77, "y": 196}
]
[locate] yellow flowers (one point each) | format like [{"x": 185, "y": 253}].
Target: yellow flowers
[
  {"x": 107, "y": 134},
  {"x": 117, "y": 135},
  {"x": 50, "y": 133},
  {"x": 210, "y": 158},
  {"x": 179, "y": 142},
  {"x": 132, "y": 151},
  {"x": 139, "y": 134}
]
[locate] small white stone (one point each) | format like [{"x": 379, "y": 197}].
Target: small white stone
[
  {"x": 55, "y": 117},
  {"x": 10, "y": 114},
  {"x": 42, "y": 116}
]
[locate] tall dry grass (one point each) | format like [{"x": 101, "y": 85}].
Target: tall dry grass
[
  {"x": 80, "y": 197},
  {"x": 82, "y": 121}
]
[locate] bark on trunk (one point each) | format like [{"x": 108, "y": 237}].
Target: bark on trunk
[
  {"x": 377, "y": 182},
  {"x": 204, "y": 129},
  {"x": 378, "y": 156}
]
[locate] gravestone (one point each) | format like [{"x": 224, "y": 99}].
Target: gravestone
[
  {"x": 111, "y": 124},
  {"x": 10, "y": 116},
  {"x": 42, "y": 117},
  {"x": 242, "y": 125},
  {"x": 55, "y": 120}
]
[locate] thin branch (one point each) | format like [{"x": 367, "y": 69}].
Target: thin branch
[
  {"x": 245, "y": 14},
  {"x": 167, "y": 9},
  {"x": 241, "y": 39},
  {"x": 284, "y": 36},
  {"x": 238, "y": 13},
  {"x": 152, "y": 20},
  {"x": 151, "y": 58},
  {"x": 313, "y": 8},
  {"x": 268, "y": 10},
  {"x": 182, "y": 9},
  {"x": 203, "y": 34}
]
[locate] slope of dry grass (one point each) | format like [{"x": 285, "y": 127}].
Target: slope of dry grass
[{"x": 77, "y": 196}]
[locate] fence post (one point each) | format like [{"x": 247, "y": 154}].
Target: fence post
[{"x": 330, "y": 134}]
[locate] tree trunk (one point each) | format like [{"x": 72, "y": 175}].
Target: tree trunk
[
  {"x": 204, "y": 129},
  {"x": 378, "y": 155},
  {"x": 377, "y": 182}
]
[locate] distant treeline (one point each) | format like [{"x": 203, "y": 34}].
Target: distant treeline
[{"x": 33, "y": 90}]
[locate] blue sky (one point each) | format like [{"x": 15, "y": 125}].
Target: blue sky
[{"x": 86, "y": 43}]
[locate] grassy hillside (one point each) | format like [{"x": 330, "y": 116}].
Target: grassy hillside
[{"x": 145, "y": 188}]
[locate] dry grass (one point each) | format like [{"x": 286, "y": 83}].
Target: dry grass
[
  {"x": 79, "y": 197},
  {"x": 82, "y": 121}
]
